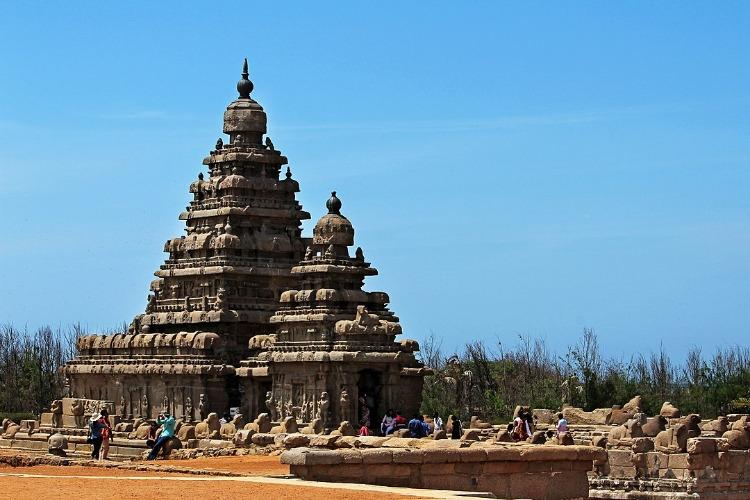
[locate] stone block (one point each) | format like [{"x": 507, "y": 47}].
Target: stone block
[
  {"x": 46, "y": 419},
  {"x": 398, "y": 442},
  {"x": 528, "y": 485},
  {"x": 620, "y": 458},
  {"x": 437, "y": 456},
  {"x": 470, "y": 468},
  {"x": 437, "y": 468},
  {"x": 407, "y": 456},
  {"x": 370, "y": 441},
  {"x": 703, "y": 460},
  {"x": 389, "y": 470},
  {"x": 74, "y": 421},
  {"x": 345, "y": 442},
  {"x": 701, "y": 445},
  {"x": 448, "y": 482},
  {"x": 377, "y": 456},
  {"x": 296, "y": 440},
  {"x": 678, "y": 461},
  {"x": 505, "y": 467},
  {"x": 472, "y": 454},
  {"x": 499, "y": 485},
  {"x": 262, "y": 439},
  {"x": 351, "y": 456},
  {"x": 323, "y": 441}
]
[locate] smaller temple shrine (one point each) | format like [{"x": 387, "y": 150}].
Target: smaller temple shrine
[{"x": 334, "y": 356}]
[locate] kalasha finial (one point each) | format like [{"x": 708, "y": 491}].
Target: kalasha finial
[
  {"x": 245, "y": 86},
  {"x": 333, "y": 204},
  {"x": 288, "y": 173}
]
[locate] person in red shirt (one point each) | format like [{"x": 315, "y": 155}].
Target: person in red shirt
[{"x": 106, "y": 435}]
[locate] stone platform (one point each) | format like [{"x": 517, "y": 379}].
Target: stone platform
[{"x": 515, "y": 471}]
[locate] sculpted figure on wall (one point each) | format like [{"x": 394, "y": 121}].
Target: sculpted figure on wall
[
  {"x": 202, "y": 406},
  {"x": 270, "y": 406},
  {"x": 57, "y": 411},
  {"x": 188, "y": 409},
  {"x": 344, "y": 404},
  {"x": 323, "y": 406}
]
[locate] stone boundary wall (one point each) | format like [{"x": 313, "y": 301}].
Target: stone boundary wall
[
  {"x": 525, "y": 471},
  {"x": 709, "y": 469}
]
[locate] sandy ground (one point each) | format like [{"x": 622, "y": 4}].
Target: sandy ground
[{"x": 93, "y": 483}]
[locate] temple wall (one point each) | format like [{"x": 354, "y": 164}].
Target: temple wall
[
  {"x": 148, "y": 395},
  {"x": 297, "y": 389}
]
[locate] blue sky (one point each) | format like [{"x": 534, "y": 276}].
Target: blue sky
[{"x": 526, "y": 168}]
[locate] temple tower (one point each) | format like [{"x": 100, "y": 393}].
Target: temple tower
[{"x": 243, "y": 235}]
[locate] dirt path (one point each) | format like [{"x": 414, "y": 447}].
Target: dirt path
[
  {"x": 151, "y": 487},
  {"x": 266, "y": 480}
]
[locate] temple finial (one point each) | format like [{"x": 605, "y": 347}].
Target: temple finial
[
  {"x": 245, "y": 86},
  {"x": 333, "y": 204}
]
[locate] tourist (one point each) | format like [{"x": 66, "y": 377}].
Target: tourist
[
  {"x": 529, "y": 421},
  {"x": 386, "y": 423},
  {"x": 106, "y": 435},
  {"x": 399, "y": 422},
  {"x": 364, "y": 428},
  {"x": 437, "y": 422},
  {"x": 456, "y": 430},
  {"x": 418, "y": 427},
  {"x": 562, "y": 424},
  {"x": 506, "y": 436},
  {"x": 151, "y": 436},
  {"x": 521, "y": 431},
  {"x": 167, "y": 422},
  {"x": 95, "y": 434}
]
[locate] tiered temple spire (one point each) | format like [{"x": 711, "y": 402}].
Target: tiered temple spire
[{"x": 245, "y": 312}]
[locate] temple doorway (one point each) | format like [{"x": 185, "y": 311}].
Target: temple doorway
[{"x": 369, "y": 386}]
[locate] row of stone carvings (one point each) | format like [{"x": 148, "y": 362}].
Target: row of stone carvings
[{"x": 201, "y": 341}]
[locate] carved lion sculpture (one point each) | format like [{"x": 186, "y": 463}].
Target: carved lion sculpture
[
  {"x": 262, "y": 424},
  {"x": 719, "y": 426},
  {"x": 210, "y": 428},
  {"x": 738, "y": 436},
  {"x": 672, "y": 440},
  {"x": 315, "y": 427},
  {"x": 669, "y": 410},
  {"x": 627, "y": 431},
  {"x": 288, "y": 426},
  {"x": 262, "y": 341},
  {"x": 654, "y": 425},
  {"x": 344, "y": 429}
]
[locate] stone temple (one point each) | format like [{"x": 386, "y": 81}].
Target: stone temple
[{"x": 246, "y": 312}]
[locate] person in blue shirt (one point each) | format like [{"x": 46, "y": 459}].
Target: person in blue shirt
[
  {"x": 96, "y": 424},
  {"x": 418, "y": 428},
  {"x": 167, "y": 422}
]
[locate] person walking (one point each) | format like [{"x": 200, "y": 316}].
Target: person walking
[
  {"x": 106, "y": 435},
  {"x": 95, "y": 434},
  {"x": 167, "y": 422}
]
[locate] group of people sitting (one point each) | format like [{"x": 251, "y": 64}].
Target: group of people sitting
[
  {"x": 393, "y": 421},
  {"x": 522, "y": 428},
  {"x": 100, "y": 434}
]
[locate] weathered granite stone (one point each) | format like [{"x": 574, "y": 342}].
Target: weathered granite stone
[{"x": 246, "y": 312}]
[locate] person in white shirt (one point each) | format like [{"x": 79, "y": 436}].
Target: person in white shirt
[{"x": 438, "y": 422}]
